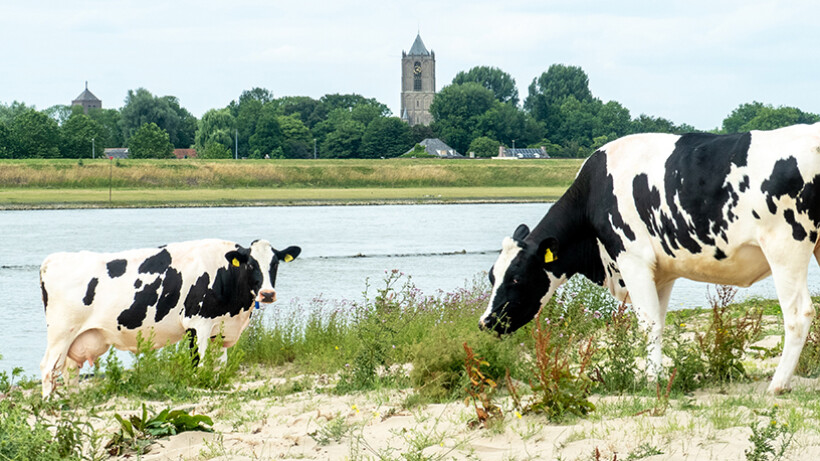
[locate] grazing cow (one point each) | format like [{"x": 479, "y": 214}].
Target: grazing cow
[
  {"x": 647, "y": 209},
  {"x": 95, "y": 300}
]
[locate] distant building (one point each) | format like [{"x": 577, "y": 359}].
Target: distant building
[
  {"x": 87, "y": 100},
  {"x": 185, "y": 153},
  {"x": 437, "y": 147},
  {"x": 418, "y": 83},
  {"x": 506, "y": 152},
  {"x": 116, "y": 152}
]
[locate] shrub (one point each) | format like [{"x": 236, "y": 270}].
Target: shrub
[
  {"x": 620, "y": 345},
  {"x": 725, "y": 340}
]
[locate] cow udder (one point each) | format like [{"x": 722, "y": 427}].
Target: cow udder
[{"x": 90, "y": 345}]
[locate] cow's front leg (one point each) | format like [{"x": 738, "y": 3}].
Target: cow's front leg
[{"x": 646, "y": 299}]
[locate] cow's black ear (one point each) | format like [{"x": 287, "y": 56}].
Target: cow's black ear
[
  {"x": 548, "y": 249},
  {"x": 238, "y": 257},
  {"x": 521, "y": 232},
  {"x": 288, "y": 254}
]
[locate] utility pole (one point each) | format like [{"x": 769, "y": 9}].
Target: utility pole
[
  {"x": 236, "y": 144},
  {"x": 314, "y": 148},
  {"x": 93, "y": 156}
]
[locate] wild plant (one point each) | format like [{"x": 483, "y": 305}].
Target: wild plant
[
  {"x": 770, "y": 440},
  {"x": 480, "y": 390},
  {"x": 559, "y": 387},
  {"x": 35, "y": 429},
  {"x": 166, "y": 373},
  {"x": 620, "y": 344},
  {"x": 137, "y": 432},
  {"x": 809, "y": 363},
  {"x": 331, "y": 432},
  {"x": 725, "y": 339},
  {"x": 686, "y": 354}
]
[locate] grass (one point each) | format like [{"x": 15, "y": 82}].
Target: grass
[
  {"x": 131, "y": 197},
  {"x": 347, "y": 363},
  {"x": 51, "y": 183}
]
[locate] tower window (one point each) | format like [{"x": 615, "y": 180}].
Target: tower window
[{"x": 417, "y": 76}]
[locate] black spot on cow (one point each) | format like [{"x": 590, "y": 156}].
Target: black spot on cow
[
  {"x": 196, "y": 295},
  {"x": 45, "y": 296},
  {"x": 719, "y": 254},
  {"x": 754, "y": 213},
  {"x": 116, "y": 267},
  {"x": 233, "y": 290},
  {"x": 813, "y": 236},
  {"x": 808, "y": 202},
  {"x": 798, "y": 232},
  {"x": 785, "y": 180},
  {"x": 133, "y": 317},
  {"x": 171, "y": 290},
  {"x": 90, "y": 291},
  {"x": 696, "y": 178},
  {"x": 744, "y": 185},
  {"x": 156, "y": 264},
  {"x": 621, "y": 283},
  {"x": 137, "y": 283}
]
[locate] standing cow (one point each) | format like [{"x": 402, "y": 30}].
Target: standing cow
[
  {"x": 647, "y": 209},
  {"x": 95, "y": 300}
]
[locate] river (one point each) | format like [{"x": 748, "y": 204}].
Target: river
[{"x": 442, "y": 247}]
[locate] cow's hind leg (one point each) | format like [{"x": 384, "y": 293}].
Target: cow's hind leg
[
  {"x": 789, "y": 264},
  {"x": 53, "y": 365}
]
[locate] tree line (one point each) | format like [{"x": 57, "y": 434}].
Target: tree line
[{"x": 478, "y": 112}]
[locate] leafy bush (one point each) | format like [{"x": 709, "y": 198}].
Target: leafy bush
[
  {"x": 725, "y": 340},
  {"x": 620, "y": 345},
  {"x": 137, "y": 432}
]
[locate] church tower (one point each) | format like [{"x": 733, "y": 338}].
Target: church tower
[{"x": 418, "y": 83}]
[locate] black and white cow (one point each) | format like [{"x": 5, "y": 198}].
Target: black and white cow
[
  {"x": 95, "y": 300},
  {"x": 647, "y": 209}
]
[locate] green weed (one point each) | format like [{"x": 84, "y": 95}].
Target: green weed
[
  {"x": 770, "y": 440},
  {"x": 139, "y": 431}
]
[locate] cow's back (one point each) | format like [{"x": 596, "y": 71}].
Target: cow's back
[{"x": 697, "y": 205}]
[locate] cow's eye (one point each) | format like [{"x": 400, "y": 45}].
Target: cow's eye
[{"x": 515, "y": 281}]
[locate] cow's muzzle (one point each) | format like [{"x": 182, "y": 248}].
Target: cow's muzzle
[{"x": 267, "y": 296}]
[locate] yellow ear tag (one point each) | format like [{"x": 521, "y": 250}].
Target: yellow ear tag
[
  {"x": 288, "y": 258},
  {"x": 549, "y": 257},
  {"x": 235, "y": 262}
]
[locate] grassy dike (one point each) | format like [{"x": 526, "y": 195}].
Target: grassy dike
[{"x": 134, "y": 183}]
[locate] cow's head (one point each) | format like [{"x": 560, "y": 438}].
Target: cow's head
[
  {"x": 256, "y": 267},
  {"x": 524, "y": 278}
]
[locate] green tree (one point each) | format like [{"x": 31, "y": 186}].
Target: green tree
[
  {"x": 5, "y": 141},
  {"x": 419, "y": 133},
  {"x": 267, "y": 135},
  {"x": 302, "y": 106},
  {"x": 499, "y": 82},
  {"x": 484, "y": 147},
  {"x": 150, "y": 141},
  {"x": 213, "y": 149},
  {"x": 506, "y": 123},
  {"x": 297, "y": 141},
  {"x": 61, "y": 112},
  {"x": 648, "y": 124},
  {"x": 215, "y": 127},
  {"x": 109, "y": 119},
  {"x": 386, "y": 137},
  {"x": 77, "y": 134},
  {"x": 456, "y": 110},
  {"x": 742, "y": 115},
  {"x": 344, "y": 141},
  {"x": 548, "y": 91},
  {"x": 35, "y": 135},
  {"x": 142, "y": 107}
]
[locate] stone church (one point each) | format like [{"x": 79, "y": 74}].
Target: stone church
[
  {"x": 87, "y": 100},
  {"x": 418, "y": 83}
]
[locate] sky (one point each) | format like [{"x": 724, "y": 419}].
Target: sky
[{"x": 688, "y": 61}]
